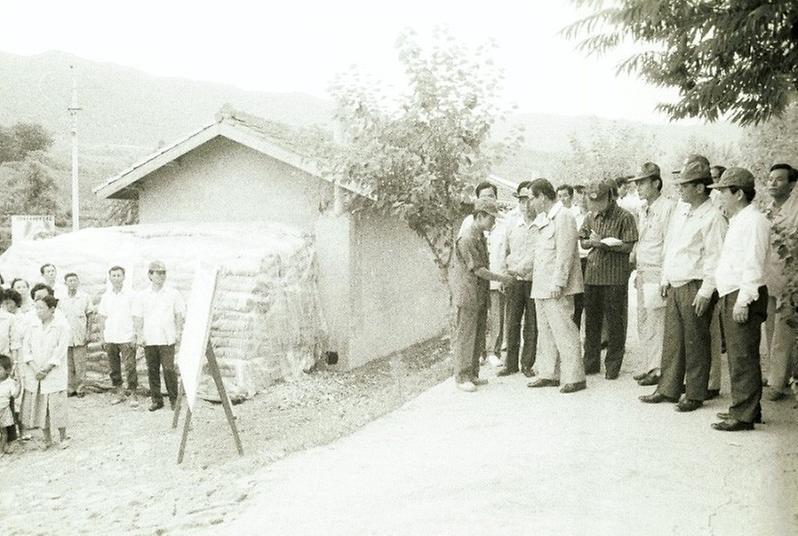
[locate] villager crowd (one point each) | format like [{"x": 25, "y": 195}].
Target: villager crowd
[
  {"x": 44, "y": 332},
  {"x": 706, "y": 271}
]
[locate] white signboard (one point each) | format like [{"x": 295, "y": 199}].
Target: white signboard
[
  {"x": 31, "y": 227},
  {"x": 191, "y": 355}
]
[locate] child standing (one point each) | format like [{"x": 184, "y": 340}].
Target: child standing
[{"x": 8, "y": 390}]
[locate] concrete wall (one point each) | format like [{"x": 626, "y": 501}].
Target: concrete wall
[
  {"x": 398, "y": 298},
  {"x": 225, "y": 181}
]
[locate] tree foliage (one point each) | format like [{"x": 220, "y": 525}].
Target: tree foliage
[
  {"x": 417, "y": 156},
  {"x": 605, "y": 152},
  {"x": 22, "y": 139},
  {"x": 726, "y": 57}
]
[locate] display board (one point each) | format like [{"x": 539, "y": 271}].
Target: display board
[{"x": 196, "y": 329}]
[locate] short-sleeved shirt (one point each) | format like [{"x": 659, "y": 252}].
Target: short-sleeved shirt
[
  {"x": 117, "y": 309},
  {"x": 471, "y": 253},
  {"x": 607, "y": 267},
  {"x": 157, "y": 309},
  {"x": 77, "y": 309}
]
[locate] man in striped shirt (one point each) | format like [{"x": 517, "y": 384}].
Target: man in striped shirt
[{"x": 610, "y": 233}]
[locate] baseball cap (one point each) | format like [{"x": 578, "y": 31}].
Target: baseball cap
[
  {"x": 156, "y": 266},
  {"x": 735, "y": 176},
  {"x": 486, "y": 205},
  {"x": 647, "y": 170},
  {"x": 597, "y": 190}
]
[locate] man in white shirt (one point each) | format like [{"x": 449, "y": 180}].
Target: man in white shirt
[
  {"x": 740, "y": 278},
  {"x": 158, "y": 320},
  {"x": 518, "y": 260},
  {"x": 783, "y": 213},
  {"x": 691, "y": 255},
  {"x": 648, "y": 256},
  {"x": 78, "y": 310},
  {"x": 117, "y": 335},
  {"x": 49, "y": 273}
]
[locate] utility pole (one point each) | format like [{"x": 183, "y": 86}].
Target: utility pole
[{"x": 73, "y": 111}]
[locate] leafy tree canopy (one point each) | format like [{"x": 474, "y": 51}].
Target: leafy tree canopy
[
  {"x": 726, "y": 57},
  {"x": 418, "y": 155}
]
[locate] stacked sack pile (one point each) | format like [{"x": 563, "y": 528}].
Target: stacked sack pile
[{"x": 267, "y": 322}]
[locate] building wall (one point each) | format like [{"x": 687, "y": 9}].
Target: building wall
[
  {"x": 378, "y": 286},
  {"x": 398, "y": 297},
  {"x": 225, "y": 181}
]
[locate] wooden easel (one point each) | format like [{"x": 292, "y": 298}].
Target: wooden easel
[{"x": 213, "y": 368}]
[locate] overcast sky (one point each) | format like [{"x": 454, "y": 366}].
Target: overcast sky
[{"x": 300, "y": 46}]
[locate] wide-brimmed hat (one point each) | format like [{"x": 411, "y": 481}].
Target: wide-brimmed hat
[
  {"x": 695, "y": 168},
  {"x": 647, "y": 171}
]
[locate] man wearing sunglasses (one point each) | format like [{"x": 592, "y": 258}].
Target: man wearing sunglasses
[{"x": 158, "y": 319}]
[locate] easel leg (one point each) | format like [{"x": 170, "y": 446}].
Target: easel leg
[
  {"x": 186, "y": 426},
  {"x": 217, "y": 379},
  {"x": 180, "y": 394}
]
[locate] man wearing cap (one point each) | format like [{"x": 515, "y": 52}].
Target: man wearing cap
[
  {"x": 610, "y": 233},
  {"x": 652, "y": 226},
  {"x": 558, "y": 277},
  {"x": 470, "y": 278},
  {"x": 692, "y": 251},
  {"x": 740, "y": 278},
  {"x": 496, "y": 309},
  {"x": 518, "y": 261},
  {"x": 783, "y": 214},
  {"x": 158, "y": 321}
]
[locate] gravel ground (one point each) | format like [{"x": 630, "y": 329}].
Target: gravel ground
[{"x": 119, "y": 474}]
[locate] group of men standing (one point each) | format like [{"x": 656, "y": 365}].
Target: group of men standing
[{"x": 706, "y": 276}]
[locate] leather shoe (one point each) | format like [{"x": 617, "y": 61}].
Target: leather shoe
[
  {"x": 638, "y": 377},
  {"x": 611, "y": 375},
  {"x": 728, "y": 417},
  {"x": 573, "y": 387},
  {"x": 712, "y": 393},
  {"x": 773, "y": 395},
  {"x": 479, "y": 381},
  {"x": 543, "y": 382},
  {"x": 155, "y": 406},
  {"x": 527, "y": 371},
  {"x": 732, "y": 425},
  {"x": 649, "y": 379},
  {"x": 657, "y": 398},
  {"x": 506, "y": 372},
  {"x": 688, "y": 404}
]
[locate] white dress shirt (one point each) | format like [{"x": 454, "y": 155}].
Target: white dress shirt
[
  {"x": 692, "y": 246},
  {"x": 744, "y": 255}
]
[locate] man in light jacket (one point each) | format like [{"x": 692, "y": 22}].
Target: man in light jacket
[{"x": 557, "y": 278}]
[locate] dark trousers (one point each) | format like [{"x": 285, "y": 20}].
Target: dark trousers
[
  {"x": 118, "y": 354},
  {"x": 521, "y": 309},
  {"x": 579, "y": 299},
  {"x": 469, "y": 342},
  {"x": 499, "y": 330},
  {"x": 157, "y": 357},
  {"x": 687, "y": 345},
  {"x": 742, "y": 347},
  {"x": 605, "y": 303}
]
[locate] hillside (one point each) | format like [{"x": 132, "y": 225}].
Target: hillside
[{"x": 127, "y": 113}]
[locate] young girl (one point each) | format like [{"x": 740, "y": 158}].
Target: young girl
[{"x": 8, "y": 390}]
